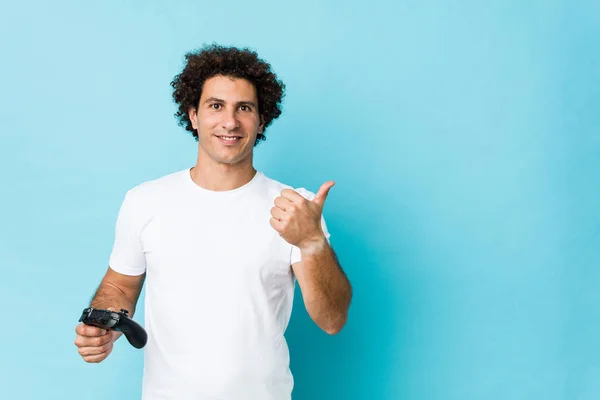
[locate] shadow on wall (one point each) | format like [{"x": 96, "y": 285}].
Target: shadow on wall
[{"x": 368, "y": 357}]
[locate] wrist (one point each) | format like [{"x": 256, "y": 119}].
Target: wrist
[{"x": 313, "y": 246}]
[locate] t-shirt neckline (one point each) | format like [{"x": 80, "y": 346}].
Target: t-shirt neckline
[{"x": 219, "y": 193}]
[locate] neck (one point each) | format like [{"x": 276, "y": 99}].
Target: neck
[{"x": 221, "y": 177}]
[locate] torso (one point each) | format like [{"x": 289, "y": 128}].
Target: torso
[{"x": 219, "y": 292}]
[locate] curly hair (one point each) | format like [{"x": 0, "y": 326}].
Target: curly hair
[{"x": 213, "y": 60}]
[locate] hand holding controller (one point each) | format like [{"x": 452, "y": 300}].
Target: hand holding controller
[{"x": 118, "y": 321}]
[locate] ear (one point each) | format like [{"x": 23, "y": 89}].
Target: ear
[
  {"x": 261, "y": 126},
  {"x": 192, "y": 114}
]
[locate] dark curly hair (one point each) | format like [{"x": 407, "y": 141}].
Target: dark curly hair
[{"x": 212, "y": 60}]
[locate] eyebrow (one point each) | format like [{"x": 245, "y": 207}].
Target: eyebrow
[{"x": 240, "y": 103}]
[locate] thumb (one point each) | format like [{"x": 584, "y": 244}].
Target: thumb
[{"x": 323, "y": 192}]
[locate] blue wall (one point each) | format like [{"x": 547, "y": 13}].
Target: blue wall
[{"x": 464, "y": 140}]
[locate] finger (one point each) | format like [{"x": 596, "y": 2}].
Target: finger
[
  {"x": 92, "y": 341},
  {"x": 283, "y": 203},
  {"x": 323, "y": 192},
  {"x": 276, "y": 224},
  {"x": 93, "y": 351},
  {"x": 278, "y": 213},
  {"x": 89, "y": 331},
  {"x": 96, "y": 358},
  {"x": 292, "y": 196}
]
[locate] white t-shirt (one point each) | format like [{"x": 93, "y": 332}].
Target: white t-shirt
[{"x": 219, "y": 287}]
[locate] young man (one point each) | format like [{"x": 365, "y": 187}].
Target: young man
[{"x": 221, "y": 246}]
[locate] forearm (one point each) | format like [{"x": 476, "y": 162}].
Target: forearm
[
  {"x": 327, "y": 292},
  {"x": 108, "y": 296}
]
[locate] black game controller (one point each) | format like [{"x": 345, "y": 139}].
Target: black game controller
[{"x": 118, "y": 321}]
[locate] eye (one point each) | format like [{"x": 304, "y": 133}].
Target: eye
[
  {"x": 245, "y": 108},
  {"x": 215, "y": 106}
]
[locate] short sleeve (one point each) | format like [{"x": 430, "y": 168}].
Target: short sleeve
[
  {"x": 127, "y": 256},
  {"x": 296, "y": 254}
]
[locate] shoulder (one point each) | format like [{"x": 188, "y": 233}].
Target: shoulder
[
  {"x": 153, "y": 189},
  {"x": 140, "y": 202}
]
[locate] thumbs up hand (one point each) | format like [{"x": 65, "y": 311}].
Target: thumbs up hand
[{"x": 297, "y": 219}]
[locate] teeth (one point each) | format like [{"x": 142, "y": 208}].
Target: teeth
[{"x": 231, "y": 139}]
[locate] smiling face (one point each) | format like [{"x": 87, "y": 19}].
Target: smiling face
[{"x": 227, "y": 120}]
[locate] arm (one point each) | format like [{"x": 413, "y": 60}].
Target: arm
[
  {"x": 325, "y": 288},
  {"x": 118, "y": 291}
]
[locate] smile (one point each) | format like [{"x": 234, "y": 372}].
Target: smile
[{"x": 229, "y": 140}]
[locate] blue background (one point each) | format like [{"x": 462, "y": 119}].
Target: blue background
[{"x": 464, "y": 139}]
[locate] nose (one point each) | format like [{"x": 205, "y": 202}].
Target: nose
[{"x": 229, "y": 121}]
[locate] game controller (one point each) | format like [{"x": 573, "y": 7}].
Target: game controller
[{"x": 118, "y": 321}]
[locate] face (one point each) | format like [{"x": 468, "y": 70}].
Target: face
[{"x": 227, "y": 120}]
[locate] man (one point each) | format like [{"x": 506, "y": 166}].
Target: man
[{"x": 221, "y": 246}]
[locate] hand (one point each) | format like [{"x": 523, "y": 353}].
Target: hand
[
  {"x": 297, "y": 219},
  {"x": 95, "y": 344}
]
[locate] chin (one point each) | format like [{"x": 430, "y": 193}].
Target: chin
[{"x": 233, "y": 160}]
